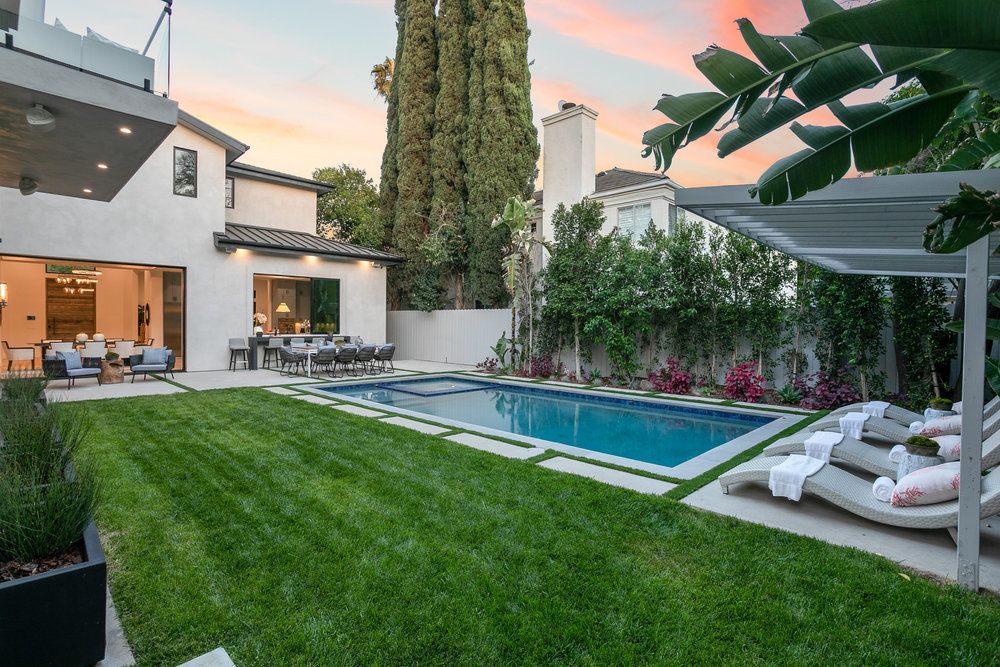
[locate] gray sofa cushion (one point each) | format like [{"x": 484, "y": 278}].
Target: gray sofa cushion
[
  {"x": 148, "y": 368},
  {"x": 155, "y": 355},
  {"x": 82, "y": 372},
  {"x": 72, "y": 359}
]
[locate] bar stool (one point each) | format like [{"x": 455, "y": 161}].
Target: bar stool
[
  {"x": 238, "y": 352},
  {"x": 271, "y": 351}
]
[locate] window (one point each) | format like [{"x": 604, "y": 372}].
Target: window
[
  {"x": 185, "y": 172},
  {"x": 325, "y": 305},
  {"x": 633, "y": 220},
  {"x": 230, "y": 193}
]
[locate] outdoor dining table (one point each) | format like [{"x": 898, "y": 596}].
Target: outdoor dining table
[{"x": 259, "y": 342}]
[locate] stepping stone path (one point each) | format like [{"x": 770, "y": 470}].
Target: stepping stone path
[
  {"x": 358, "y": 410},
  {"x": 313, "y": 398},
  {"x": 608, "y": 475},
  {"x": 495, "y": 446},
  {"x": 429, "y": 429},
  {"x": 282, "y": 391}
]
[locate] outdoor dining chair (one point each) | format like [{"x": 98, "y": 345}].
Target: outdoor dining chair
[
  {"x": 18, "y": 354},
  {"x": 345, "y": 356}
]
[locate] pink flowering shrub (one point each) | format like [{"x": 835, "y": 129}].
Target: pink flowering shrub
[
  {"x": 744, "y": 383},
  {"x": 671, "y": 379},
  {"x": 824, "y": 391}
]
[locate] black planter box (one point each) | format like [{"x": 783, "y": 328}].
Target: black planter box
[{"x": 57, "y": 617}]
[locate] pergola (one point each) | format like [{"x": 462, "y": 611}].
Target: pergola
[{"x": 875, "y": 226}]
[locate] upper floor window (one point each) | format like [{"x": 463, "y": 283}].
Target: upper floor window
[
  {"x": 230, "y": 193},
  {"x": 185, "y": 172},
  {"x": 633, "y": 220}
]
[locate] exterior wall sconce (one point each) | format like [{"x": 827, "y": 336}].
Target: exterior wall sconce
[{"x": 3, "y": 299}]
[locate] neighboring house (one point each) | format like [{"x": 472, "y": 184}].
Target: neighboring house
[
  {"x": 631, "y": 199},
  {"x": 157, "y": 232}
]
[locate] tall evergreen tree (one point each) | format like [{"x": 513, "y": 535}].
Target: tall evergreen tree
[
  {"x": 502, "y": 143},
  {"x": 417, "y": 87},
  {"x": 450, "y": 126},
  {"x": 388, "y": 192}
]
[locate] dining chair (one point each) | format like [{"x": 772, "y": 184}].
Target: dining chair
[
  {"x": 124, "y": 348},
  {"x": 61, "y": 346},
  {"x": 18, "y": 354},
  {"x": 94, "y": 349}
]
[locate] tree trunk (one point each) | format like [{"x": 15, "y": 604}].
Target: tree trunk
[
  {"x": 459, "y": 296},
  {"x": 576, "y": 345},
  {"x": 864, "y": 385}
]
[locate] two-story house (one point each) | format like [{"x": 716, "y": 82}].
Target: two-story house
[
  {"x": 632, "y": 199},
  {"x": 191, "y": 247}
]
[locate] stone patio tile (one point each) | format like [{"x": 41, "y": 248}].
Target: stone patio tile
[
  {"x": 495, "y": 446},
  {"x": 429, "y": 429},
  {"x": 283, "y": 391},
  {"x": 313, "y": 398},
  {"x": 608, "y": 475},
  {"x": 357, "y": 410}
]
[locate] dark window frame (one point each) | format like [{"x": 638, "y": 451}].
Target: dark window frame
[
  {"x": 178, "y": 149},
  {"x": 231, "y": 204}
]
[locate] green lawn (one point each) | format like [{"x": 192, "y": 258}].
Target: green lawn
[{"x": 291, "y": 533}]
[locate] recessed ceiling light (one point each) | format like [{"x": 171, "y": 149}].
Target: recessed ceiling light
[
  {"x": 125, "y": 130},
  {"x": 87, "y": 190},
  {"x": 101, "y": 165}
]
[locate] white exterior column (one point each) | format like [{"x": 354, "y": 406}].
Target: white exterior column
[
  {"x": 973, "y": 378},
  {"x": 568, "y": 160}
]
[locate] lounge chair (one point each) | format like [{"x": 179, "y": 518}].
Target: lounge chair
[
  {"x": 872, "y": 458},
  {"x": 907, "y": 417},
  {"x": 854, "y": 494},
  {"x": 149, "y": 362},
  {"x": 889, "y": 429},
  {"x": 55, "y": 368}
]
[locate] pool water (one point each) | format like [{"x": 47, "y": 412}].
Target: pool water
[{"x": 655, "y": 433}]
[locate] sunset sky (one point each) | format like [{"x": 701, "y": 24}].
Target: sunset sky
[{"x": 295, "y": 84}]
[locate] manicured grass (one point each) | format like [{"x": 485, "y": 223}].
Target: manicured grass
[{"x": 292, "y": 533}]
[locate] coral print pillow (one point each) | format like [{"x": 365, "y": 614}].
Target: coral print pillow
[
  {"x": 951, "y": 446},
  {"x": 927, "y": 486},
  {"x": 942, "y": 426}
]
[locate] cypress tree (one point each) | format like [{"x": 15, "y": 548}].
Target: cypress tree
[
  {"x": 502, "y": 144},
  {"x": 450, "y": 126},
  {"x": 416, "y": 83},
  {"x": 388, "y": 193}
]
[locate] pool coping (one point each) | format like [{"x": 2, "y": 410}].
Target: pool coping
[{"x": 686, "y": 470}]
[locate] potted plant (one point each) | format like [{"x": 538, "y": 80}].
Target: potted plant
[
  {"x": 53, "y": 575},
  {"x": 918, "y": 445},
  {"x": 943, "y": 404}
]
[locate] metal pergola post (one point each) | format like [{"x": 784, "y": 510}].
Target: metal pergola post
[{"x": 973, "y": 377}]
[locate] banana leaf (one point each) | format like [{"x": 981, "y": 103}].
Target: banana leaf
[
  {"x": 959, "y": 24},
  {"x": 963, "y": 219}
]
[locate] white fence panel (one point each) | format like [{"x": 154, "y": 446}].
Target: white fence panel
[{"x": 449, "y": 336}]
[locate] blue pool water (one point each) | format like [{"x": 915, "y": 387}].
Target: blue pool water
[{"x": 655, "y": 433}]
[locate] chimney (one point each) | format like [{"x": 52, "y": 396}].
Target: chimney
[
  {"x": 568, "y": 159},
  {"x": 33, "y": 10}
]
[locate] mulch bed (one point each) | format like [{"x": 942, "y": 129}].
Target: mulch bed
[{"x": 12, "y": 569}]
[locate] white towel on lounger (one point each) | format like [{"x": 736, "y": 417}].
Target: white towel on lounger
[
  {"x": 786, "y": 478},
  {"x": 875, "y": 408},
  {"x": 821, "y": 443},
  {"x": 896, "y": 453},
  {"x": 916, "y": 427},
  {"x": 853, "y": 424},
  {"x": 882, "y": 488}
]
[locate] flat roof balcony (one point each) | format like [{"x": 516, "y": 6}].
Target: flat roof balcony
[{"x": 103, "y": 105}]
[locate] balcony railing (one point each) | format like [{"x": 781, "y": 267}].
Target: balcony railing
[{"x": 87, "y": 53}]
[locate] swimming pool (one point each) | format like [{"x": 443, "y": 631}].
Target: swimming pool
[{"x": 655, "y": 432}]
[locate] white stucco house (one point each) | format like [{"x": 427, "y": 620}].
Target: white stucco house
[
  {"x": 191, "y": 247},
  {"x": 124, "y": 216},
  {"x": 631, "y": 198}
]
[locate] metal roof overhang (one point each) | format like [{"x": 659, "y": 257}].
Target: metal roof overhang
[
  {"x": 871, "y": 225},
  {"x": 275, "y": 241}
]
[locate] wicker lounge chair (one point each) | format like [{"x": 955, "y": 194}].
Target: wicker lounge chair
[
  {"x": 889, "y": 429},
  {"x": 854, "y": 494},
  {"x": 873, "y": 458},
  {"x": 907, "y": 417}
]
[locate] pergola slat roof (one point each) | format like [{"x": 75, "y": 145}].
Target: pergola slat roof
[{"x": 868, "y": 225}]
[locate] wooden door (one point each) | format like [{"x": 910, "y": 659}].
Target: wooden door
[{"x": 66, "y": 313}]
